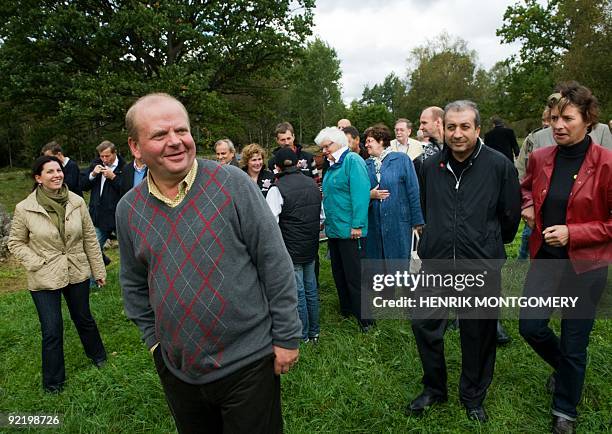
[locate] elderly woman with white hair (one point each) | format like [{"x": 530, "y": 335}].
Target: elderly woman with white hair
[{"x": 346, "y": 196}]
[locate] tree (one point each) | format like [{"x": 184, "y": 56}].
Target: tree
[
  {"x": 560, "y": 40},
  {"x": 76, "y": 65},
  {"x": 444, "y": 70},
  {"x": 314, "y": 91},
  {"x": 364, "y": 116},
  {"x": 588, "y": 59},
  {"x": 389, "y": 93}
]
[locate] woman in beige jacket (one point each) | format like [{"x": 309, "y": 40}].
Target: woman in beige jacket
[{"x": 53, "y": 237}]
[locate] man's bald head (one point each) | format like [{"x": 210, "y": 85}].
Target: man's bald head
[
  {"x": 432, "y": 123},
  {"x": 131, "y": 117},
  {"x": 343, "y": 123}
]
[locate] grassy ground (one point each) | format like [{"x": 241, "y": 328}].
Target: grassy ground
[{"x": 350, "y": 382}]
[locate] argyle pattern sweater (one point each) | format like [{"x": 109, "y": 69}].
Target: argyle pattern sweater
[{"x": 210, "y": 279}]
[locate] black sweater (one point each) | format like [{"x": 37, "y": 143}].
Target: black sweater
[{"x": 554, "y": 209}]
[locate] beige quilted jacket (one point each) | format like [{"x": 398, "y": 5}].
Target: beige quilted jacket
[{"x": 37, "y": 244}]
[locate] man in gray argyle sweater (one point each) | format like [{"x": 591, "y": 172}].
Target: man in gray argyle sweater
[{"x": 207, "y": 279}]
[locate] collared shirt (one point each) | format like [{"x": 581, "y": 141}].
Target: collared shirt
[
  {"x": 336, "y": 155},
  {"x": 275, "y": 201},
  {"x": 103, "y": 180},
  {"x": 66, "y": 160},
  {"x": 184, "y": 187},
  {"x": 139, "y": 173}
]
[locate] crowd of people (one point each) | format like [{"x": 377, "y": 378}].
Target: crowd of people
[{"x": 219, "y": 259}]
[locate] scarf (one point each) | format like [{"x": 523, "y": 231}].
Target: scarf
[
  {"x": 379, "y": 160},
  {"x": 55, "y": 205}
]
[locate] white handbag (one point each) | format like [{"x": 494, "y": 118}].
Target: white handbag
[{"x": 415, "y": 261}]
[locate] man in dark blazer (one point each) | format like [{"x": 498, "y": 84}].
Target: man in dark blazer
[
  {"x": 502, "y": 139},
  {"x": 133, "y": 173},
  {"x": 103, "y": 179},
  {"x": 70, "y": 167}
]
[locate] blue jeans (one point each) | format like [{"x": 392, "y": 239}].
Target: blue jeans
[
  {"x": 102, "y": 237},
  {"x": 48, "y": 306},
  {"x": 524, "y": 249},
  {"x": 308, "y": 298}
]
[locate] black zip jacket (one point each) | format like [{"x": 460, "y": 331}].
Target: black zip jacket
[
  {"x": 473, "y": 215},
  {"x": 306, "y": 162}
]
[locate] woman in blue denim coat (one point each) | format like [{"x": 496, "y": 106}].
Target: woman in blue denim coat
[{"x": 395, "y": 207}]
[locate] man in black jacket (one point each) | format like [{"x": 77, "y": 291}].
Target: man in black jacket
[
  {"x": 103, "y": 179},
  {"x": 285, "y": 138},
  {"x": 295, "y": 201},
  {"x": 71, "y": 169},
  {"x": 132, "y": 175},
  {"x": 502, "y": 139},
  {"x": 471, "y": 198}
]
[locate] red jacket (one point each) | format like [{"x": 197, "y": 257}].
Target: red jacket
[{"x": 589, "y": 209}]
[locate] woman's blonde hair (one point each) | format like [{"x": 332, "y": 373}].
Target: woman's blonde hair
[{"x": 249, "y": 150}]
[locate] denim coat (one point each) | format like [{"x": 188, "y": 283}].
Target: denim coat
[{"x": 391, "y": 220}]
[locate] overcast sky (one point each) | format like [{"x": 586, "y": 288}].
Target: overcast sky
[{"x": 374, "y": 37}]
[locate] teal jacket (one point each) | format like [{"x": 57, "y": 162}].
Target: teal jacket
[{"x": 346, "y": 196}]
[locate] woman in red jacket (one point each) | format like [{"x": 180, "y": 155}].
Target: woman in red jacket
[{"x": 567, "y": 200}]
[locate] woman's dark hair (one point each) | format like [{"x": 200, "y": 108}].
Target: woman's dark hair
[
  {"x": 37, "y": 166},
  {"x": 574, "y": 93},
  {"x": 379, "y": 132}
]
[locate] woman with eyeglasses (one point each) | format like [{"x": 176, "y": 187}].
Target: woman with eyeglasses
[
  {"x": 346, "y": 194},
  {"x": 567, "y": 200}
]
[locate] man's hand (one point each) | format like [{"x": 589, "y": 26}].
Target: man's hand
[
  {"x": 528, "y": 214},
  {"x": 108, "y": 173},
  {"x": 375, "y": 193},
  {"x": 556, "y": 236},
  {"x": 97, "y": 170},
  {"x": 284, "y": 359},
  {"x": 101, "y": 282},
  {"x": 355, "y": 233}
]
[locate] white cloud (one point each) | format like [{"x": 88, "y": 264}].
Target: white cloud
[{"x": 374, "y": 38}]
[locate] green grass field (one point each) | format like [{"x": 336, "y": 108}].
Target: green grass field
[{"x": 349, "y": 383}]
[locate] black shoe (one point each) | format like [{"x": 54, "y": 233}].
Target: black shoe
[
  {"x": 314, "y": 339},
  {"x": 561, "y": 425},
  {"x": 100, "y": 363},
  {"x": 106, "y": 259},
  {"x": 502, "y": 336},
  {"x": 423, "y": 402},
  {"x": 550, "y": 384},
  {"x": 477, "y": 413},
  {"x": 54, "y": 390}
]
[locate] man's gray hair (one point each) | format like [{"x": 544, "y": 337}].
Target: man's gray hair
[
  {"x": 332, "y": 134},
  {"x": 404, "y": 120},
  {"x": 106, "y": 144},
  {"x": 462, "y": 105},
  {"x": 229, "y": 144}
]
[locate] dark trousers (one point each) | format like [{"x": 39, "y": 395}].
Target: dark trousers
[
  {"x": 346, "y": 255},
  {"x": 478, "y": 346},
  {"x": 566, "y": 354},
  {"x": 247, "y": 400},
  {"x": 478, "y": 337},
  {"x": 48, "y": 306}
]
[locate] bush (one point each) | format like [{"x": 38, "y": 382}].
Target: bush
[{"x": 5, "y": 228}]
